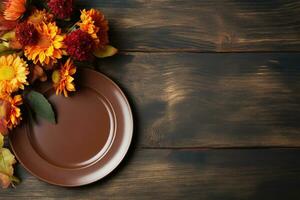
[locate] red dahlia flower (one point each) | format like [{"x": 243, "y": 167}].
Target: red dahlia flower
[
  {"x": 26, "y": 34},
  {"x": 62, "y": 9},
  {"x": 79, "y": 45}
]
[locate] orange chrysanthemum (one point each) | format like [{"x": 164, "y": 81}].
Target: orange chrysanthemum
[
  {"x": 10, "y": 113},
  {"x": 49, "y": 46},
  {"x": 39, "y": 16},
  {"x": 94, "y": 23},
  {"x": 13, "y": 73},
  {"x": 14, "y": 9},
  {"x": 63, "y": 80}
]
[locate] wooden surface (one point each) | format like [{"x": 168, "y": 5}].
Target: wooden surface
[
  {"x": 185, "y": 174},
  {"x": 202, "y": 25},
  {"x": 215, "y": 91},
  {"x": 184, "y": 100}
]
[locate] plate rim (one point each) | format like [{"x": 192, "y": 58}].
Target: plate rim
[{"x": 121, "y": 158}]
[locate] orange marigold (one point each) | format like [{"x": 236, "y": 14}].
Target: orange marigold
[
  {"x": 94, "y": 23},
  {"x": 10, "y": 113},
  {"x": 14, "y": 9},
  {"x": 39, "y": 16},
  {"x": 49, "y": 46},
  {"x": 63, "y": 80}
]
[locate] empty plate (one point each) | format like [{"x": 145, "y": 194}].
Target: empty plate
[{"x": 92, "y": 135}]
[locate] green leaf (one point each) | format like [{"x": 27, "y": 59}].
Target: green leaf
[
  {"x": 3, "y": 47},
  {"x": 107, "y": 51},
  {"x": 6, "y": 52},
  {"x": 9, "y": 35},
  {"x": 40, "y": 105}
]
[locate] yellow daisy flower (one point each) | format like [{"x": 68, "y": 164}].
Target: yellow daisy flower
[
  {"x": 49, "y": 47},
  {"x": 13, "y": 73},
  {"x": 39, "y": 16},
  {"x": 94, "y": 23},
  {"x": 63, "y": 80},
  {"x": 10, "y": 114}
]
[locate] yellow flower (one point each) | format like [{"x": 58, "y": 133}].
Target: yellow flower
[
  {"x": 63, "y": 80},
  {"x": 39, "y": 16},
  {"x": 49, "y": 47},
  {"x": 13, "y": 73},
  {"x": 94, "y": 23},
  {"x": 10, "y": 114},
  {"x": 14, "y": 9}
]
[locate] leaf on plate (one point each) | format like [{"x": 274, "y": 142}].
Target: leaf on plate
[
  {"x": 40, "y": 106},
  {"x": 107, "y": 51},
  {"x": 7, "y": 159}
]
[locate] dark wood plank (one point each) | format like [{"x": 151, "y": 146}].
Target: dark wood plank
[
  {"x": 211, "y": 100},
  {"x": 185, "y": 174},
  {"x": 207, "y": 25}
]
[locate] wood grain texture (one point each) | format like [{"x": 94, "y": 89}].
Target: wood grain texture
[
  {"x": 184, "y": 174},
  {"x": 185, "y": 101},
  {"x": 201, "y": 26},
  {"x": 211, "y": 100}
]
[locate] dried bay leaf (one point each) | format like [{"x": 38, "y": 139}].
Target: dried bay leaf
[
  {"x": 40, "y": 105},
  {"x": 107, "y": 51}
]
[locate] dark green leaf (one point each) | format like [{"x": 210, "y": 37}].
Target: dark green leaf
[{"x": 40, "y": 106}]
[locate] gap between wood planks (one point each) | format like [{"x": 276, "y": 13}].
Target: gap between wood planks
[
  {"x": 203, "y": 148},
  {"x": 124, "y": 51}
]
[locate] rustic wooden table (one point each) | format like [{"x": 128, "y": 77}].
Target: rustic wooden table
[{"x": 214, "y": 86}]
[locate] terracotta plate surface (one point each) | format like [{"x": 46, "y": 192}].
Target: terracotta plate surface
[{"x": 92, "y": 135}]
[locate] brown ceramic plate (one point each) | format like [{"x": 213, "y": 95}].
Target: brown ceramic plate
[{"x": 92, "y": 135}]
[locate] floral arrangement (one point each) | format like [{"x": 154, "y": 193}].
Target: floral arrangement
[{"x": 42, "y": 40}]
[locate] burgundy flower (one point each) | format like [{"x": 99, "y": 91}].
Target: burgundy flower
[
  {"x": 26, "y": 34},
  {"x": 62, "y": 9},
  {"x": 79, "y": 45}
]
